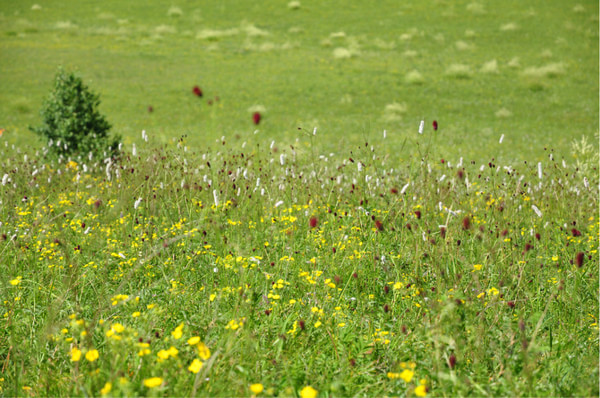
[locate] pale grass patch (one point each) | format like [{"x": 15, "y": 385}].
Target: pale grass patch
[
  {"x": 410, "y": 53},
  {"x": 262, "y": 47},
  {"x": 459, "y": 71},
  {"x": 295, "y": 30},
  {"x": 294, "y": 5},
  {"x": 414, "y": 77},
  {"x": 174, "y": 12},
  {"x": 503, "y": 113},
  {"x": 475, "y": 8},
  {"x": 551, "y": 70},
  {"x": 346, "y": 99},
  {"x": 257, "y": 108},
  {"x": 36, "y": 7},
  {"x": 490, "y": 67},
  {"x": 440, "y": 38},
  {"x": 393, "y": 112},
  {"x": 337, "y": 35},
  {"x": 252, "y": 31},
  {"x": 515, "y": 62},
  {"x": 462, "y": 45},
  {"x": 165, "y": 29},
  {"x": 383, "y": 45},
  {"x": 106, "y": 15},
  {"x": 106, "y": 31},
  {"x": 546, "y": 54},
  {"x": 65, "y": 25},
  {"x": 470, "y": 33},
  {"x": 578, "y": 8},
  {"x": 509, "y": 27},
  {"x": 341, "y": 53},
  {"x": 215, "y": 34}
]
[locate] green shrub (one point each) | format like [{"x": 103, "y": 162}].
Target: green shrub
[{"x": 71, "y": 121}]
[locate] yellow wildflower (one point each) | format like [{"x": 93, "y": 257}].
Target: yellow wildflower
[
  {"x": 193, "y": 340},
  {"x": 407, "y": 375},
  {"x": 421, "y": 391},
  {"x": 308, "y": 392},
  {"x": 153, "y": 382},
  {"x": 256, "y": 388},
  {"x": 178, "y": 332},
  {"x": 106, "y": 389},
  {"x": 195, "y": 366},
  {"x": 92, "y": 355},
  {"x": 75, "y": 354},
  {"x": 203, "y": 351}
]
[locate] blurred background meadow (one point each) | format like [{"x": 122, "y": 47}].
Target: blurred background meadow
[{"x": 525, "y": 70}]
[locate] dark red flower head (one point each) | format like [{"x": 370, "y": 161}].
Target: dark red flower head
[
  {"x": 579, "y": 259},
  {"x": 313, "y": 222},
  {"x": 379, "y": 225},
  {"x": 452, "y": 361},
  {"x": 435, "y": 125},
  {"x": 466, "y": 223},
  {"x": 256, "y": 117},
  {"x": 197, "y": 91}
]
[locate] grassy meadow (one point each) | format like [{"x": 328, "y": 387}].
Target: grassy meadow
[
  {"x": 339, "y": 247},
  {"x": 528, "y": 70}
]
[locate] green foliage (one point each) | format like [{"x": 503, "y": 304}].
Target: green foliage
[
  {"x": 205, "y": 274},
  {"x": 71, "y": 121}
]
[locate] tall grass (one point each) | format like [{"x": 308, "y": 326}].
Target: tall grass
[{"x": 247, "y": 269}]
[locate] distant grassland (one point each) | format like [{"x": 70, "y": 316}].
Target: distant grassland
[{"x": 528, "y": 70}]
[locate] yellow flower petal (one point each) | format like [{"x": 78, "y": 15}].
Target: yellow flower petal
[
  {"x": 153, "y": 382},
  {"x": 195, "y": 366},
  {"x": 256, "y": 388},
  {"x": 308, "y": 392},
  {"x": 92, "y": 355}
]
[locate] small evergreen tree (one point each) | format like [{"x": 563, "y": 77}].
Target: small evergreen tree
[{"x": 71, "y": 120}]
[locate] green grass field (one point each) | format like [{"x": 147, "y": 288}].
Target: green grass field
[
  {"x": 224, "y": 258},
  {"x": 528, "y": 70}
]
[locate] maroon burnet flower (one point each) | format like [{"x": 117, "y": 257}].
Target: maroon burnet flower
[
  {"x": 150, "y": 109},
  {"x": 256, "y": 117},
  {"x": 579, "y": 259},
  {"x": 313, "y": 222},
  {"x": 466, "y": 223},
  {"x": 197, "y": 91},
  {"x": 379, "y": 225},
  {"x": 435, "y": 125},
  {"x": 575, "y": 232},
  {"x": 452, "y": 361}
]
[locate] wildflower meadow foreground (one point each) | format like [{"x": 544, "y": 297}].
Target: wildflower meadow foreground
[{"x": 276, "y": 270}]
